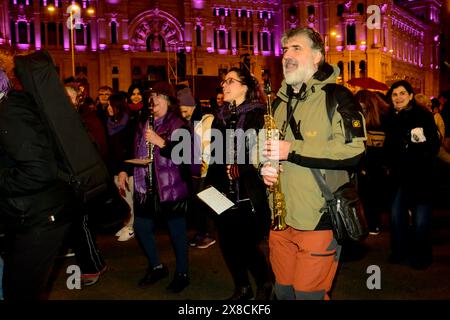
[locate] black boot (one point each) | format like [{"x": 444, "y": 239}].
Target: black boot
[
  {"x": 153, "y": 275},
  {"x": 179, "y": 282},
  {"x": 264, "y": 291},
  {"x": 242, "y": 293}
]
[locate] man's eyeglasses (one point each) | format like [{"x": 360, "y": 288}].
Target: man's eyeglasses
[{"x": 229, "y": 81}]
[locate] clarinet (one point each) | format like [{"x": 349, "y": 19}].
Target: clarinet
[
  {"x": 233, "y": 186},
  {"x": 150, "y": 126}
]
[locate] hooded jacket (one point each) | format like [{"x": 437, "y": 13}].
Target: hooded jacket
[
  {"x": 31, "y": 195},
  {"x": 334, "y": 146}
]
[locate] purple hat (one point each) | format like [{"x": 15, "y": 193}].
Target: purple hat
[{"x": 185, "y": 97}]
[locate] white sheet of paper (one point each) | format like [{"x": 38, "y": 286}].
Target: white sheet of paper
[
  {"x": 139, "y": 162},
  {"x": 215, "y": 200}
]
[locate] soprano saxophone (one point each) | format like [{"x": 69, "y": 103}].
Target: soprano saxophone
[{"x": 278, "y": 201}]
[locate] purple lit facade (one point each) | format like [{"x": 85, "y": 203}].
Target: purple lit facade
[{"x": 125, "y": 41}]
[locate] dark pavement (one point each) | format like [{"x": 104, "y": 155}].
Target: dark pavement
[{"x": 210, "y": 279}]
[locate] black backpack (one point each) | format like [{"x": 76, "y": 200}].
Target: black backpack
[{"x": 79, "y": 162}]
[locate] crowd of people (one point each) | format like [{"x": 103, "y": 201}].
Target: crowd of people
[{"x": 393, "y": 140}]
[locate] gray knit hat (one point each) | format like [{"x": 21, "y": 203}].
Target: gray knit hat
[{"x": 185, "y": 97}]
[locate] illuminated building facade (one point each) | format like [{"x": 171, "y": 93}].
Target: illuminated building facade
[{"x": 117, "y": 42}]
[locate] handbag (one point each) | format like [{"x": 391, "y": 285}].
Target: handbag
[{"x": 345, "y": 209}]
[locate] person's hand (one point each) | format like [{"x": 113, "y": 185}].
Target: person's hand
[
  {"x": 122, "y": 181},
  {"x": 232, "y": 171},
  {"x": 270, "y": 174},
  {"x": 276, "y": 149},
  {"x": 152, "y": 137}
]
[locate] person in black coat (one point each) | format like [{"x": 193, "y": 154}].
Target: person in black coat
[
  {"x": 242, "y": 228},
  {"x": 35, "y": 206},
  {"x": 411, "y": 146}
]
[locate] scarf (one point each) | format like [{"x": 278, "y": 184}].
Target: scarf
[
  {"x": 135, "y": 106},
  {"x": 114, "y": 126}
]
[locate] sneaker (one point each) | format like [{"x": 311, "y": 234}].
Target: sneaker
[
  {"x": 89, "y": 279},
  {"x": 195, "y": 240},
  {"x": 205, "y": 242},
  {"x": 153, "y": 275},
  {"x": 127, "y": 234},
  {"x": 69, "y": 253},
  {"x": 179, "y": 282},
  {"x": 375, "y": 231}
]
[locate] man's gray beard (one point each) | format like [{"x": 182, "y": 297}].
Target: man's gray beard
[{"x": 297, "y": 77}]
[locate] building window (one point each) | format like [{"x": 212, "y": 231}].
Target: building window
[
  {"x": 113, "y": 32},
  {"x": 13, "y": 32},
  {"x": 351, "y": 34},
  {"x": 221, "y": 39},
  {"x": 88, "y": 34},
  {"x": 61, "y": 33},
  {"x": 79, "y": 35},
  {"x": 360, "y": 9},
  {"x": 32, "y": 40},
  {"x": 244, "y": 38},
  {"x": 341, "y": 68},
  {"x": 362, "y": 68},
  {"x": 340, "y": 10},
  {"x": 311, "y": 10},
  {"x": 198, "y": 35},
  {"x": 42, "y": 33},
  {"x": 52, "y": 34},
  {"x": 265, "y": 41},
  {"x": 23, "y": 32}
]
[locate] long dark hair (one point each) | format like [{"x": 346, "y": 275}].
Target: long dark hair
[
  {"x": 255, "y": 92},
  {"x": 118, "y": 103},
  {"x": 373, "y": 107}
]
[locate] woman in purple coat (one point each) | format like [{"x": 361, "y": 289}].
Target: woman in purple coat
[{"x": 164, "y": 191}]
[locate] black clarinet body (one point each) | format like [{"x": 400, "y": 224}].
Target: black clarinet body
[
  {"x": 150, "y": 126},
  {"x": 233, "y": 185}
]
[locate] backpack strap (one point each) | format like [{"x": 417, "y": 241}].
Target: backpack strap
[{"x": 341, "y": 99}]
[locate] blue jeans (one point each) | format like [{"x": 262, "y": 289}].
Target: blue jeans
[
  {"x": 416, "y": 243},
  {"x": 144, "y": 228}
]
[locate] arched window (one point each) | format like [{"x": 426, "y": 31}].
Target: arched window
[
  {"x": 362, "y": 68},
  {"x": 341, "y": 68}
]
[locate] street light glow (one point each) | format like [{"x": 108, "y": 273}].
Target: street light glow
[{"x": 51, "y": 8}]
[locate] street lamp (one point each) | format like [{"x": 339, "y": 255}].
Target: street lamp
[{"x": 74, "y": 11}]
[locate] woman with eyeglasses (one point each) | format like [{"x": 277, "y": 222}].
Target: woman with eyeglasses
[{"x": 242, "y": 228}]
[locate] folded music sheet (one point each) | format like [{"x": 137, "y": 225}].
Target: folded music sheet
[{"x": 215, "y": 200}]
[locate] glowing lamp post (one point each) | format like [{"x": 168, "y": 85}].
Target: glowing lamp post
[{"x": 74, "y": 11}]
